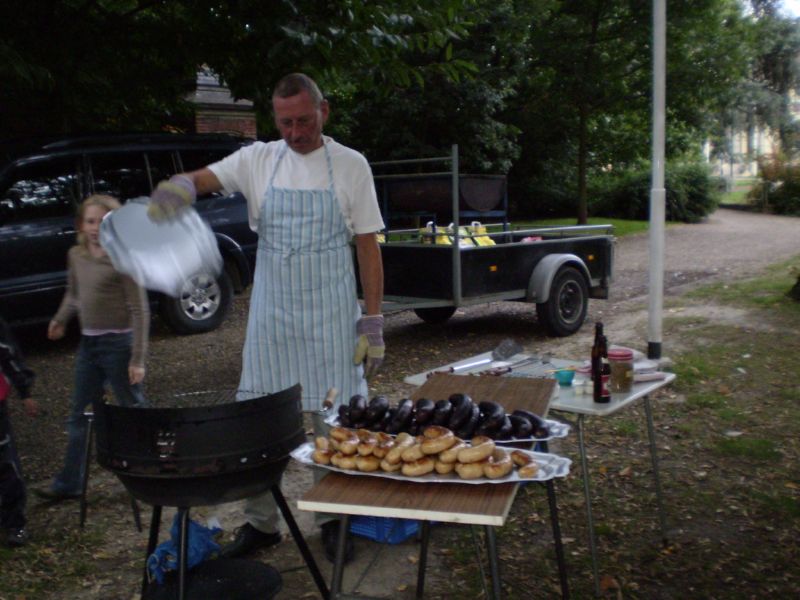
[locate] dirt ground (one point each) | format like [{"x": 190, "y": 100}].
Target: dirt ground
[{"x": 728, "y": 245}]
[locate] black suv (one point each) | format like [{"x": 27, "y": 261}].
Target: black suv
[{"x": 41, "y": 185}]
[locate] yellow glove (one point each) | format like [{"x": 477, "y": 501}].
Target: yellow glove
[
  {"x": 170, "y": 197},
  {"x": 369, "y": 345}
]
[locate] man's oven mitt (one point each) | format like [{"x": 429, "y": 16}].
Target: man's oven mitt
[
  {"x": 170, "y": 197},
  {"x": 369, "y": 345}
]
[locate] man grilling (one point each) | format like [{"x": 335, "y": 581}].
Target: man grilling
[{"x": 307, "y": 197}]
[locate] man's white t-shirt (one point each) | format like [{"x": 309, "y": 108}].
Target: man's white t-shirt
[{"x": 250, "y": 169}]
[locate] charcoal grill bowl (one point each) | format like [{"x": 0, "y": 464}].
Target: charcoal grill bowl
[{"x": 200, "y": 455}]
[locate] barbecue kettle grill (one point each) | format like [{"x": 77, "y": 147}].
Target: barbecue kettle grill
[
  {"x": 206, "y": 455},
  {"x": 201, "y": 455}
]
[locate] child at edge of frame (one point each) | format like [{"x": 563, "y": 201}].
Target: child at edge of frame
[{"x": 12, "y": 487}]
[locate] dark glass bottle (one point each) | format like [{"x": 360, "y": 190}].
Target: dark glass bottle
[
  {"x": 605, "y": 370},
  {"x": 597, "y": 363}
]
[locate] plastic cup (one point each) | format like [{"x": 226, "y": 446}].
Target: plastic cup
[{"x": 564, "y": 377}]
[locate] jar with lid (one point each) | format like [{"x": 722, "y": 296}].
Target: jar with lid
[{"x": 621, "y": 362}]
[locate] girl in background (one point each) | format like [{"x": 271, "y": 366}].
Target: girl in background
[{"x": 115, "y": 319}]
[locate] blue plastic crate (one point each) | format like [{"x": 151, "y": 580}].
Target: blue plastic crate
[{"x": 383, "y": 529}]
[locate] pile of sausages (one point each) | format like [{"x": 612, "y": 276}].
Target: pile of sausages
[
  {"x": 459, "y": 413},
  {"x": 437, "y": 449}
]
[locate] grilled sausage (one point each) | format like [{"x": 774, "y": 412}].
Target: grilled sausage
[
  {"x": 358, "y": 406},
  {"x": 376, "y": 408},
  {"x": 402, "y": 417},
  {"x": 423, "y": 411},
  {"x": 520, "y": 426},
  {"x": 492, "y": 415},
  {"x": 441, "y": 412},
  {"x": 462, "y": 411},
  {"x": 467, "y": 429}
]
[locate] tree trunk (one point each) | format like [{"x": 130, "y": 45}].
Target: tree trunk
[{"x": 583, "y": 149}]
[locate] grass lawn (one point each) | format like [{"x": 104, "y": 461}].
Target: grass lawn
[
  {"x": 622, "y": 227},
  {"x": 727, "y": 432}
]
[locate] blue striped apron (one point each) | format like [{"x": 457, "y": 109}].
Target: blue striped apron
[{"x": 303, "y": 306}]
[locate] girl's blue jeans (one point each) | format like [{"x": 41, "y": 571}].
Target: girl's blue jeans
[{"x": 102, "y": 361}]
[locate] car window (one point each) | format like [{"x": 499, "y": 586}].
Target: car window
[
  {"x": 41, "y": 189},
  {"x": 162, "y": 164},
  {"x": 120, "y": 174},
  {"x": 197, "y": 159}
]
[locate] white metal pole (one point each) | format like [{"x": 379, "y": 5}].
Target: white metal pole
[{"x": 657, "y": 191}]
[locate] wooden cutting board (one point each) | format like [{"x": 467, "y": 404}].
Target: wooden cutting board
[{"x": 511, "y": 392}]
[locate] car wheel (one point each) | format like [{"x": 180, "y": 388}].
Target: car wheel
[
  {"x": 201, "y": 305},
  {"x": 437, "y": 314},
  {"x": 566, "y": 307}
]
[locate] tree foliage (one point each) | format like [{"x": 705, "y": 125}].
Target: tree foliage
[
  {"x": 118, "y": 64},
  {"x": 555, "y": 93}
]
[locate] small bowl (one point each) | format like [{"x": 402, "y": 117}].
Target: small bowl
[{"x": 564, "y": 377}]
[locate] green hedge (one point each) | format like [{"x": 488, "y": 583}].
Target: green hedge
[{"x": 691, "y": 193}]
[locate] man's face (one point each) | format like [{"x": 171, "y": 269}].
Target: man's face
[{"x": 300, "y": 122}]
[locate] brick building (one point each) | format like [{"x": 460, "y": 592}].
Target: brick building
[{"x": 217, "y": 111}]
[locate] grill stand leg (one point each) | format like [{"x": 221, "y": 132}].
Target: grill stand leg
[
  {"x": 152, "y": 541},
  {"x": 87, "y": 455},
  {"x": 300, "y": 541},
  {"x": 183, "y": 551},
  {"x": 137, "y": 517},
  {"x": 87, "y": 452}
]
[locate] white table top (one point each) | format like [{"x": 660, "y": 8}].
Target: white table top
[{"x": 566, "y": 400}]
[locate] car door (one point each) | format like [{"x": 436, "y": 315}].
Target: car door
[{"x": 38, "y": 202}]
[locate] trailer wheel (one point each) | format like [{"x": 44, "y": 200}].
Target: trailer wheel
[
  {"x": 435, "y": 315},
  {"x": 565, "y": 309}
]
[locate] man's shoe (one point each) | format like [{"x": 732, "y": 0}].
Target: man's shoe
[
  {"x": 17, "y": 537},
  {"x": 330, "y": 538},
  {"x": 248, "y": 539},
  {"x": 54, "y": 496}
]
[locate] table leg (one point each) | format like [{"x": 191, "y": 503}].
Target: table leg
[
  {"x": 557, "y": 542},
  {"x": 654, "y": 457},
  {"x": 338, "y": 566},
  {"x": 288, "y": 517},
  {"x": 494, "y": 567},
  {"x": 588, "y": 498},
  {"x": 423, "y": 558},
  {"x": 562, "y": 564}
]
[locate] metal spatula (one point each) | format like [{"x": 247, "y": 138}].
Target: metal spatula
[{"x": 505, "y": 350}]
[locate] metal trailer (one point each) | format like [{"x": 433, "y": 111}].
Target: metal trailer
[{"x": 557, "y": 268}]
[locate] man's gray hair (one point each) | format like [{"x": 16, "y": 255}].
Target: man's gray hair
[{"x": 294, "y": 83}]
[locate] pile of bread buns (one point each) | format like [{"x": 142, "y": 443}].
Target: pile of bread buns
[{"x": 436, "y": 450}]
